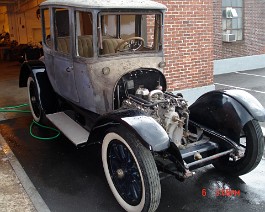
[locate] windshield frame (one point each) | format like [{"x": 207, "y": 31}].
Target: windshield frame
[{"x": 157, "y": 36}]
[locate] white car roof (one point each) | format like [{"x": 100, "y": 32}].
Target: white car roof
[{"x": 108, "y": 4}]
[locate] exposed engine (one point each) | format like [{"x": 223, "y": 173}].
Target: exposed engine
[{"x": 170, "y": 111}]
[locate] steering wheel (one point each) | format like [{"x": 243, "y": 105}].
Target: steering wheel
[{"x": 133, "y": 43}]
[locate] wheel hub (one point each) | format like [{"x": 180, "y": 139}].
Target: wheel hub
[
  {"x": 120, "y": 173},
  {"x": 33, "y": 99}
]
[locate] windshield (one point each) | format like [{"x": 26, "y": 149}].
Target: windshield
[{"x": 128, "y": 33}]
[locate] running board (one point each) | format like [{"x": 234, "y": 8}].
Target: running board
[{"x": 72, "y": 130}]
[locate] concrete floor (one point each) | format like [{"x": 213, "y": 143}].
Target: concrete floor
[
  {"x": 70, "y": 179},
  {"x": 10, "y": 93},
  {"x": 13, "y": 197},
  {"x": 252, "y": 81}
]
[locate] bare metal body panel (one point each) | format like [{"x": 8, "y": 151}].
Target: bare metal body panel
[
  {"x": 129, "y": 4},
  {"x": 94, "y": 90}
]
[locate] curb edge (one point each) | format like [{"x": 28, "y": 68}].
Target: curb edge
[{"x": 30, "y": 189}]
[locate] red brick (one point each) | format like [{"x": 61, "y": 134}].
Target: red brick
[{"x": 188, "y": 43}]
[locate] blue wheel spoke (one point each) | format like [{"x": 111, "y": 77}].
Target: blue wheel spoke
[
  {"x": 115, "y": 165},
  {"x": 129, "y": 160},
  {"x": 119, "y": 153},
  {"x": 124, "y": 172},
  {"x": 135, "y": 190}
]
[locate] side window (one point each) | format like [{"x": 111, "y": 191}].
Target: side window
[
  {"x": 46, "y": 27},
  {"x": 127, "y": 25},
  {"x": 109, "y": 26},
  {"x": 129, "y": 33},
  {"x": 151, "y": 31},
  {"x": 84, "y": 34},
  {"x": 61, "y": 30},
  {"x": 232, "y": 20}
]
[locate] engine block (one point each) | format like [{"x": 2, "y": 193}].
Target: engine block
[{"x": 170, "y": 111}]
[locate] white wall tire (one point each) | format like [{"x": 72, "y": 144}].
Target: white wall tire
[
  {"x": 253, "y": 143},
  {"x": 34, "y": 101},
  {"x": 143, "y": 159}
]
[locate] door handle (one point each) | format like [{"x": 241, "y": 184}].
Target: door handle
[{"x": 69, "y": 69}]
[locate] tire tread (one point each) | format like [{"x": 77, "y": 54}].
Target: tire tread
[
  {"x": 147, "y": 166},
  {"x": 152, "y": 174},
  {"x": 253, "y": 160}
]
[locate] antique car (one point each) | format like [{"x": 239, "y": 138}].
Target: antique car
[{"x": 101, "y": 82}]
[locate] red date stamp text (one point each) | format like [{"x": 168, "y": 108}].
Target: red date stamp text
[{"x": 223, "y": 192}]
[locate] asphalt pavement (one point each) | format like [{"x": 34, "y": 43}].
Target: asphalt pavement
[
  {"x": 252, "y": 81},
  {"x": 70, "y": 179},
  {"x": 54, "y": 175}
]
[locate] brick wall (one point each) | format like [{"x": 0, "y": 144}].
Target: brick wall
[
  {"x": 188, "y": 43},
  {"x": 253, "y": 42},
  {"x": 150, "y": 20}
]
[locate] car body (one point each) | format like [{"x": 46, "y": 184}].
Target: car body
[{"x": 101, "y": 82}]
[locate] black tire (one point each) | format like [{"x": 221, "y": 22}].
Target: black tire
[
  {"x": 254, "y": 147},
  {"x": 131, "y": 171},
  {"x": 34, "y": 100}
]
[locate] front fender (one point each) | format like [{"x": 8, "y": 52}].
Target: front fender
[
  {"x": 150, "y": 133},
  {"x": 226, "y": 111},
  {"x": 249, "y": 102}
]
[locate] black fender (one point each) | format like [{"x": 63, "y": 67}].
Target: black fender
[
  {"x": 26, "y": 69},
  {"x": 226, "y": 111},
  {"x": 47, "y": 96},
  {"x": 150, "y": 133}
]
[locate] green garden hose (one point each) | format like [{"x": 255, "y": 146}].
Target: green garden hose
[
  {"x": 14, "y": 109},
  {"x": 46, "y": 127},
  {"x": 11, "y": 109}
]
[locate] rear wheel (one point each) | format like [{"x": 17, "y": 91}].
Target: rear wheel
[
  {"x": 253, "y": 142},
  {"x": 131, "y": 171},
  {"x": 34, "y": 100}
]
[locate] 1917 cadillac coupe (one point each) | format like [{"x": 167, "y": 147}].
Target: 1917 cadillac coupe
[{"x": 101, "y": 81}]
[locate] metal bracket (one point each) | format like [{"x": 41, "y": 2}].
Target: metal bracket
[{"x": 238, "y": 150}]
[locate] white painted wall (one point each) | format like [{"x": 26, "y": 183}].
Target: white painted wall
[
  {"x": 20, "y": 15},
  {"x": 33, "y": 25},
  {"x": 22, "y": 28},
  {"x": 13, "y": 30},
  {"x": 4, "y": 26},
  {"x": 239, "y": 64}
]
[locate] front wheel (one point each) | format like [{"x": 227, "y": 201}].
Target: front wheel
[
  {"x": 131, "y": 171},
  {"x": 253, "y": 143}
]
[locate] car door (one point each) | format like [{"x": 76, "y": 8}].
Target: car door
[
  {"x": 63, "y": 55},
  {"x": 84, "y": 57}
]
